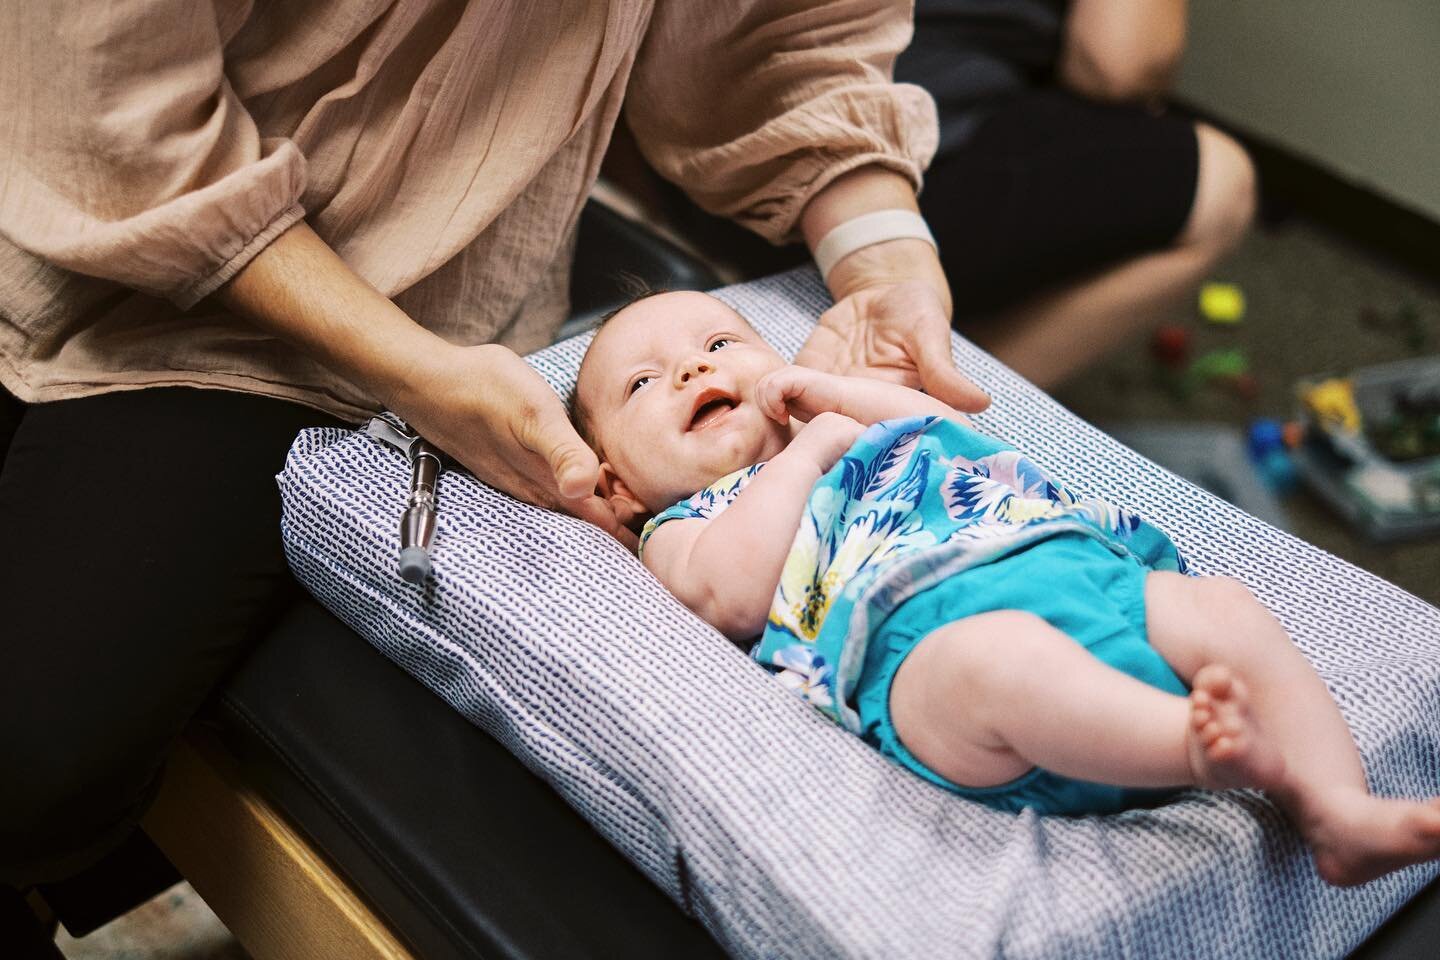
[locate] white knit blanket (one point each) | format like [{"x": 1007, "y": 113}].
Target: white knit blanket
[{"x": 785, "y": 835}]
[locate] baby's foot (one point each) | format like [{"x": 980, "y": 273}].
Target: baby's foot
[
  {"x": 1361, "y": 837},
  {"x": 1227, "y": 749}
]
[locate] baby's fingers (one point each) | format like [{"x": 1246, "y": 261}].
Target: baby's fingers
[{"x": 772, "y": 393}]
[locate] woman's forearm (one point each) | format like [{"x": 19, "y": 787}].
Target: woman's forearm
[
  {"x": 895, "y": 261},
  {"x": 300, "y": 290}
]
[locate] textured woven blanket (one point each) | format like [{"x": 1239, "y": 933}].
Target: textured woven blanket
[{"x": 787, "y": 836}]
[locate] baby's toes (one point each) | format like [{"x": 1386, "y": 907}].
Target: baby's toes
[
  {"x": 1211, "y": 732},
  {"x": 1428, "y": 820},
  {"x": 1214, "y": 680},
  {"x": 1229, "y": 747}
]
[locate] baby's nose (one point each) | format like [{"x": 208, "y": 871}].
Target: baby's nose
[{"x": 693, "y": 367}]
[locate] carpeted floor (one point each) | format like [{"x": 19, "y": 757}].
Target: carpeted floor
[
  {"x": 1306, "y": 291},
  {"x": 176, "y": 925}
]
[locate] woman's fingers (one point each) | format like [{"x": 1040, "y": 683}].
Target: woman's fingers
[
  {"x": 512, "y": 434},
  {"x": 595, "y": 510},
  {"x": 938, "y": 374},
  {"x": 574, "y": 472},
  {"x": 574, "y": 468}
]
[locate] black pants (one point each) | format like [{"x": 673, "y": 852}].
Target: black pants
[
  {"x": 141, "y": 558},
  {"x": 1051, "y": 187}
]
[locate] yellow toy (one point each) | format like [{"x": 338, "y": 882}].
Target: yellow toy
[
  {"x": 1333, "y": 403},
  {"x": 1222, "y": 303}
]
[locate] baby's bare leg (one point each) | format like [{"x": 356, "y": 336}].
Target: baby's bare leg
[
  {"x": 1196, "y": 621},
  {"x": 1199, "y": 623},
  {"x": 982, "y": 700}
]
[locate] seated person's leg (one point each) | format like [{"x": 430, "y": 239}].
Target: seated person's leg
[
  {"x": 113, "y": 639},
  {"x": 1066, "y": 225}
]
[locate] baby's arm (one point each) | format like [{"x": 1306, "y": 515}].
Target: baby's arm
[
  {"x": 726, "y": 568},
  {"x": 803, "y": 393}
]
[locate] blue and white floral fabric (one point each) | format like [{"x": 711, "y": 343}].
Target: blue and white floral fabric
[{"x": 913, "y": 502}]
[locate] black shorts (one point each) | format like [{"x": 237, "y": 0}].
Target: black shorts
[{"x": 1050, "y": 187}]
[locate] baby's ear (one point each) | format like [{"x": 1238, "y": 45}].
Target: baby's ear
[{"x": 628, "y": 509}]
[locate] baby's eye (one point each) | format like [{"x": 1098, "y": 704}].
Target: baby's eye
[
  {"x": 638, "y": 382},
  {"x": 722, "y": 342}
]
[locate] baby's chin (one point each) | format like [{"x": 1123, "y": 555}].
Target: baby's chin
[{"x": 733, "y": 453}]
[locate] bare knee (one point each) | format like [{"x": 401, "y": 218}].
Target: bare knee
[
  {"x": 1223, "y": 594},
  {"x": 1225, "y": 193},
  {"x": 1223, "y": 604},
  {"x": 1189, "y": 619}
]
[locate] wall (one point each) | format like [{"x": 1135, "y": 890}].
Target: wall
[{"x": 1352, "y": 85}]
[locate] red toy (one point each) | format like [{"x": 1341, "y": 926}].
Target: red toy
[{"x": 1170, "y": 345}]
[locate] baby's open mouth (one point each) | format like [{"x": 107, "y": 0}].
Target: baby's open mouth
[{"x": 712, "y": 406}]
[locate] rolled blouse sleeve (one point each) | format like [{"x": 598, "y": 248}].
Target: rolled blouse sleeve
[
  {"x": 124, "y": 152},
  {"x": 754, "y": 107}
]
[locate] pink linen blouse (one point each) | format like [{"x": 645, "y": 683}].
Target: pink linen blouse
[{"x": 150, "y": 148}]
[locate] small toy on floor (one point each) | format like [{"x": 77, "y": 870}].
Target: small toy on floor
[
  {"x": 1222, "y": 303},
  {"x": 1267, "y": 449},
  {"x": 1373, "y": 450}
]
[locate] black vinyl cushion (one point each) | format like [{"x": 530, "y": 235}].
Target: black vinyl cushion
[
  {"x": 462, "y": 850},
  {"x": 455, "y": 843}
]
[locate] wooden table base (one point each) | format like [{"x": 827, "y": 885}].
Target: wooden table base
[{"x": 275, "y": 893}]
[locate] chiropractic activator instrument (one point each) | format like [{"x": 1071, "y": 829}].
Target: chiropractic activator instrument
[{"x": 417, "y": 523}]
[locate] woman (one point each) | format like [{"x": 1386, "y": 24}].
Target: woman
[{"x": 222, "y": 223}]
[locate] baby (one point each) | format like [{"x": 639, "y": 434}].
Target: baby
[{"x": 951, "y": 604}]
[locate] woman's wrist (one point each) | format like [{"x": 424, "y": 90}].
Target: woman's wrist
[
  {"x": 854, "y": 194},
  {"x": 891, "y": 262}
]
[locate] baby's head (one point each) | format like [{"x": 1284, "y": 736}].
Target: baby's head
[{"x": 666, "y": 396}]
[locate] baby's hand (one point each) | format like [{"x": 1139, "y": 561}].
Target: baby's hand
[
  {"x": 826, "y": 438},
  {"x": 798, "y": 392}
]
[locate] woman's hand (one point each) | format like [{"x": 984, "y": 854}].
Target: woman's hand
[
  {"x": 898, "y": 332},
  {"x": 486, "y": 408},
  {"x": 482, "y": 405},
  {"x": 825, "y": 439},
  {"x": 891, "y": 318}
]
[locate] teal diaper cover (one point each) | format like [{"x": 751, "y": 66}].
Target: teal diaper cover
[{"x": 1081, "y": 587}]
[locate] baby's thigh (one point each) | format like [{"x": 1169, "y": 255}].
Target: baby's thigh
[{"x": 949, "y": 689}]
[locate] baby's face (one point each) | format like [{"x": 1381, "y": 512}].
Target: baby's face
[{"x": 669, "y": 391}]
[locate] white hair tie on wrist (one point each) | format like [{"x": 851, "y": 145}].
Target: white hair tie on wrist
[{"x": 867, "y": 230}]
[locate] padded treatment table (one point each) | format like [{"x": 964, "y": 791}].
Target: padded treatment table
[
  {"x": 454, "y": 844},
  {"x": 463, "y": 851},
  {"x": 456, "y": 847},
  {"x": 788, "y": 836}
]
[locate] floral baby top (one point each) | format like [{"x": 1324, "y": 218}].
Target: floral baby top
[{"x": 913, "y": 502}]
